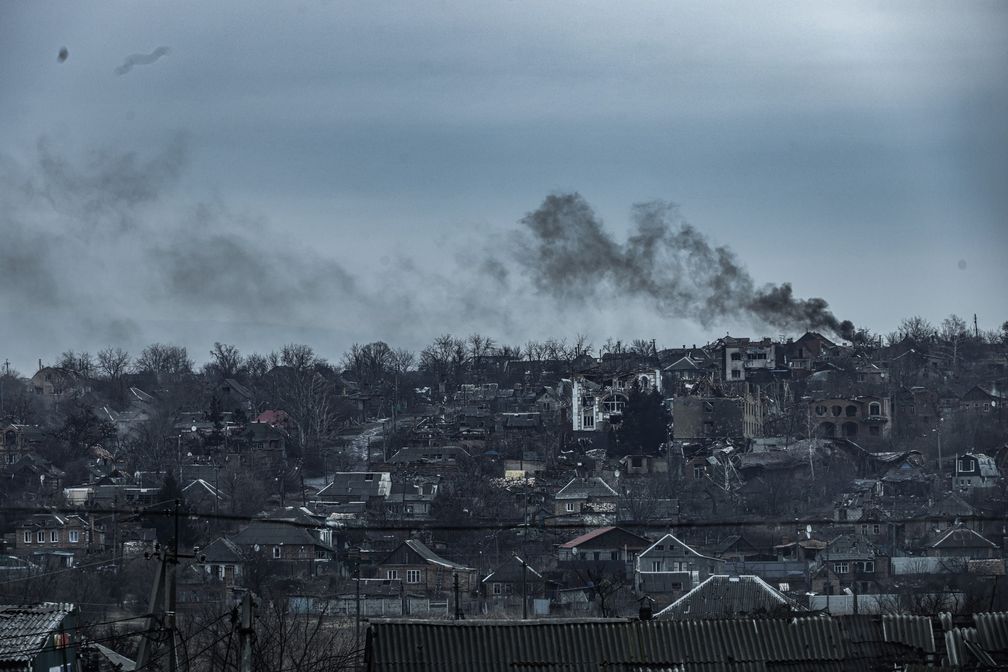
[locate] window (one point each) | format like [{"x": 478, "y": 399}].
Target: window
[
  {"x": 698, "y": 472},
  {"x": 614, "y": 555},
  {"x": 841, "y": 567},
  {"x": 851, "y": 411},
  {"x": 966, "y": 465},
  {"x": 736, "y": 356},
  {"x": 276, "y": 551},
  {"x": 875, "y": 409},
  {"x": 656, "y": 565},
  {"x": 570, "y": 507},
  {"x": 40, "y": 536},
  {"x": 597, "y": 555},
  {"x": 864, "y": 566},
  {"x": 368, "y": 477},
  {"x": 27, "y": 537},
  {"x": 392, "y": 574},
  {"x": 498, "y": 589},
  {"x": 736, "y": 373},
  {"x": 412, "y": 576},
  {"x": 876, "y": 528},
  {"x": 588, "y": 421},
  {"x": 820, "y": 410},
  {"x": 54, "y": 536},
  {"x": 836, "y": 410}
]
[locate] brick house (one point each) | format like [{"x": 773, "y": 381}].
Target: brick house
[
  {"x": 606, "y": 550},
  {"x": 64, "y": 538},
  {"x": 584, "y": 495},
  {"x": 669, "y": 567},
  {"x": 420, "y": 567}
]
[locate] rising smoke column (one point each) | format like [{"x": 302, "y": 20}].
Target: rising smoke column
[{"x": 568, "y": 254}]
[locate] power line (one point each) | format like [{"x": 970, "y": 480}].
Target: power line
[
  {"x": 521, "y": 524},
  {"x": 60, "y": 571},
  {"x": 82, "y": 627},
  {"x": 83, "y": 642},
  {"x": 167, "y": 649}
]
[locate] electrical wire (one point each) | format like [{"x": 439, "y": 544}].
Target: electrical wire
[
  {"x": 167, "y": 649},
  {"x": 61, "y": 571},
  {"x": 83, "y": 627},
  {"x": 97, "y": 640},
  {"x": 519, "y": 524}
]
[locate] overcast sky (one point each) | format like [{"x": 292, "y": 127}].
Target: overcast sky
[{"x": 333, "y": 172}]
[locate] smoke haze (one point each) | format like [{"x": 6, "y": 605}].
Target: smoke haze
[
  {"x": 105, "y": 250},
  {"x": 570, "y": 255}
]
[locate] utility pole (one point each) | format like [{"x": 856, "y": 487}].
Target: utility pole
[
  {"x": 246, "y": 632},
  {"x": 524, "y": 588},
  {"x": 458, "y": 610},
  {"x": 162, "y": 607}
]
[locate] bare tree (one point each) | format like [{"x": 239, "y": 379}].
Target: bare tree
[
  {"x": 81, "y": 363},
  {"x": 256, "y": 365},
  {"x": 443, "y": 360},
  {"x": 917, "y": 328},
  {"x": 164, "y": 361},
  {"x": 479, "y": 347},
  {"x": 113, "y": 363},
  {"x": 643, "y": 347},
  {"x": 226, "y": 360},
  {"x": 582, "y": 346}
]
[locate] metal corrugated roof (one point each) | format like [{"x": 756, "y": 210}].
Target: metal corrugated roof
[
  {"x": 24, "y": 629},
  {"x": 992, "y": 630},
  {"x": 723, "y": 596},
  {"x": 573, "y": 645},
  {"x": 915, "y": 631}
]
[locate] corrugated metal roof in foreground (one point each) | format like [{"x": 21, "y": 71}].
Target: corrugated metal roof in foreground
[
  {"x": 915, "y": 631},
  {"x": 587, "y": 645},
  {"x": 992, "y": 630}
]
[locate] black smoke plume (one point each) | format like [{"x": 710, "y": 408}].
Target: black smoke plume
[
  {"x": 569, "y": 255},
  {"x": 141, "y": 59}
]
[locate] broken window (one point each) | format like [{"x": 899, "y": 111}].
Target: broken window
[
  {"x": 836, "y": 410},
  {"x": 851, "y": 411}
]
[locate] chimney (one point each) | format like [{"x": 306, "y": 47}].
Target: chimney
[{"x": 40, "y": 364}]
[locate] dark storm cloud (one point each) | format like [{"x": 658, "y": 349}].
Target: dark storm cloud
[
  {"x": 568, "y": 254},
  {"x": 141, "y": 59}
]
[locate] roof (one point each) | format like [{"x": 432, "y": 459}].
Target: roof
[
  {"x": 511, "y": 570},
  {"x": 600, "y": 532},
  {"x": 200, "y": 485},
  {"x": 275, "y": 534},
  {"x": 586, "y": 488},
  {"x": 676, "y": 540},
  {"x": 961, "y": 537},
  {"x": 431, "y": 557},
  {"x": 222, "y": 550},
  {"x": 598, "y": 644},
  {"x": 723, "y": 596},
  {"x": 25, "y": 629},
  {"x": 238, "y": 388},
  {"x": 358, "y": 484},
  {"x": 408, "y": 454}
]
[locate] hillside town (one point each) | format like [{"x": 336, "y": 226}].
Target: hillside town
[{"x": 845, "y": 496}]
